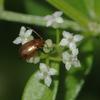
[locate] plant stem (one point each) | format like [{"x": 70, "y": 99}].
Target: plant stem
[
  {"x": 37, "y": 20},
  {"x": 56, "y": 59},
  {"x": 23, "y": 18},
  {"x": 56, "y": 65},
  {"x": 57, "y": 36}
]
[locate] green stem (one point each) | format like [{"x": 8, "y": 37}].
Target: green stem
[
  {"x": 47, "y": 60},
  {"x": 58, "y": 48},
  {"x": 57, "y": 59},
  {"x": 56, "y": 65},
  {"x": 37, "y": 20},
  {"x": 57, "y": 36}
]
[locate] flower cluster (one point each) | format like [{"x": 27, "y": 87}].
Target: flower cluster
[
  {"x": 69, "y": 55},
  {"x": 48, "y": 46},
  {"x": 45, "y": 72},
  {"x": 70, "y": 41}
]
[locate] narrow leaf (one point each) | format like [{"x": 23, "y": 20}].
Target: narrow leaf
[
  {"x": 90, "y": 5},
  {"x": 1, "y": 4},
  {"x": 37, "y": 7}
]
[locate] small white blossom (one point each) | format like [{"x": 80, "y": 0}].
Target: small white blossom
[
  {"x": 94, "y": 27},
  {"x": 48, "y": 46},
  {"x": 35, "y": 60},
  {"x": 54, "y": 18},
  {"x": 45, "y": 74},
  {"x": 70, "y": 60},
  {"x": 70, "y": 40},
  {"x": 24, "y": 36}
]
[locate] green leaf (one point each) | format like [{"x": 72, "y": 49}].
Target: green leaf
[
  {"x": 35, "y": 90},
  {"x": 76, "y": 76},
  {"x": 37, "y": 7},
  {"x": 1, "y": 4},
  {"x": 97, "y": 9},
  {"x": 79, "y": 5},
  {"x": 90, "y": 5}
]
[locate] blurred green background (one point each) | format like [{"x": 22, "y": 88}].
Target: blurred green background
[{"x": 14, "y": 72}]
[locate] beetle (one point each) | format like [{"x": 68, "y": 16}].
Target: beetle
[{"x": 29, "y": 49}]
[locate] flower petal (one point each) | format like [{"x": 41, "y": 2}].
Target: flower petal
[
  {"x": 43, "y": 67},
  {"x": 49, "y": 23},
  {"x": 28, "y": 33},
  {"x": 65, "y": 56},
  {"x": 48, "y": 81},
  {"x": 48, "y": 17},
  {"x": 59, "y": 20},
  {"x": 34, "y": 60},
  {"x": 76, "y": 63},
  {"x": 48, "y": 46},
  {"x": 64, "y": 42},
  {"x": 49, "y": 43},
  {"x": 75, "y": 52},
  {"x": 57, "y": 14},
  {"x": 72, "y": 45},
  {"x": 52, "y": 71},
  {"x": 73, "y": 48},
  {"x": 24, "y": 40},
  {"x": 18, "y": 40},
  {"x": 78, "y": 38},
  {"x": 22, "y": 31},
  {"x": 46, "y": 49},
  {"x": 68, "y": 65},
  {"x": 39, "y": 75},
  {"x": 67, "y": 35}
]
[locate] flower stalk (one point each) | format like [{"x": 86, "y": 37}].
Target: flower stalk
[{"x": 37, "y": 20}]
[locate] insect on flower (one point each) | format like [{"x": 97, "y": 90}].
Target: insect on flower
[{"x": 29, "y": 49}]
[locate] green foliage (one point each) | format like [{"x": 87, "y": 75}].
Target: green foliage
[
  {"x": 78, "y": 5},
  {"x": 97, "y": 9},
  {"x": 76, "y": 77},
  {"x": 37, "y": 7},
  {"x": 1, "y": 4},
  {"x": 82, "y": 12},
  {"x": 70, "y": 11},
  {"x": 36, "y": 90}
]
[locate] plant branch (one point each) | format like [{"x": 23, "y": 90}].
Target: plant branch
[{"x": 37, "y": 20}]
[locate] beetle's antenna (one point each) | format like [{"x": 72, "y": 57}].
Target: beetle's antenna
[{"x": 36, "y": 33}]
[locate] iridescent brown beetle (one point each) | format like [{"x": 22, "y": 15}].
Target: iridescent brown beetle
[{"x": 29, "y": 49}]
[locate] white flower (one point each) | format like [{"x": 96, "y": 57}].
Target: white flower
[
  {"x": 54, "y": 18},
  {"x": 70, "y": 60},
  {"x": 35, "y": 60},
  {"x": 24, "y": 36},
  {"x": 45, "y": 74},
  {"x": 70, "y": 40},
  {"x": 94, "y": 27},
  {"x": 48, "y": 46}
]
